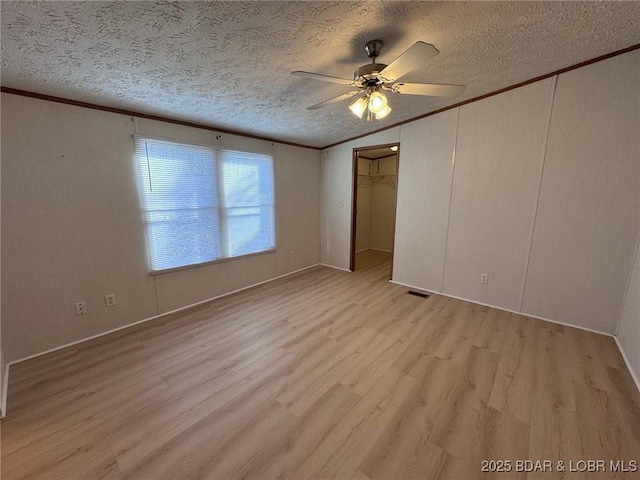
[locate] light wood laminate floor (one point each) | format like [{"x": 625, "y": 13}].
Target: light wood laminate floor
[{"x": 324, "y": 374}]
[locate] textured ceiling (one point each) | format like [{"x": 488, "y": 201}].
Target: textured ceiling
[{"x": 228, "y": 64}]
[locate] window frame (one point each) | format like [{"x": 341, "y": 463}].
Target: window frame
[{"x": 222, "y": 225}]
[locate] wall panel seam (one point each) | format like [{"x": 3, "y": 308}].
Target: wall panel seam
[
  {"x": 453, "y": 170},
  {"x": 535, "y": 210}
]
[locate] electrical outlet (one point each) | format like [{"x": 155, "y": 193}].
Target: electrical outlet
[
  {"x": 81, "y": 308},
  {"x": 292, "y": 253},
  {"x": 484, "y": 278},
  {"x": 110, "y": 300}
]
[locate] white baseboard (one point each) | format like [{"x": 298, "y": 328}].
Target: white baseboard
[
  {"x": 335, "y": 268},
  {"x": 108, "y": 332},
  {"x": 502, "y": 308},
  {"x": 628, "y": 364}
]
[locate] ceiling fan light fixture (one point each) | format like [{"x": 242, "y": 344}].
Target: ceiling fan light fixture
[
  {"x": 377, "y": 102},
  {"x": 369, "y": 81},
  {"x": 383, "y": 113},
  {"x": 358, "y": 107}
]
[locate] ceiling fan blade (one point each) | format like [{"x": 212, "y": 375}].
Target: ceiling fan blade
[
  {"x": 413, "y": 57},
  {"x": 334, "y": 100},
  {"x": 324, "y": 78},
  {"x": 431, "y": 89}
]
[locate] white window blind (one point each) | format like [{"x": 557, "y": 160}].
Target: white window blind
[{"x": 203, "y": 204}]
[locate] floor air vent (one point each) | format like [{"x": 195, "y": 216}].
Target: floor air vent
[{"x": 418, "y": 294}]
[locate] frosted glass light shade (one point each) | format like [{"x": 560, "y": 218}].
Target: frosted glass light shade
[
  {"x": 383, "y": 113},
  {"x": 358, "y": 107},
  {"x": 377, "y": 102}
]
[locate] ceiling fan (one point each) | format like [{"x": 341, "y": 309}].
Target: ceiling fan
[{"x": 372, "y": 79}]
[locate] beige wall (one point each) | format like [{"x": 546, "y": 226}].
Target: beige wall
[
  {"x": 629, "y": 328},
  {"x": 545, "y": 197},
  {"x": 499, "y": 156},
  {"x": 336, "y": 199},
  {"x": 427, "y": 148},
  {"x": 72, "y": 228},
  {"x": 385, "y": 137},
  {"x": 363, "y": 216},
  {"x": 383, "y": 202},
  {"x": 376, "y": 203},
  {"x": 587, "y": 219}
]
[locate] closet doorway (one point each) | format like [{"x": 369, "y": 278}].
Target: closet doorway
[{"x": 375, "y": 185}]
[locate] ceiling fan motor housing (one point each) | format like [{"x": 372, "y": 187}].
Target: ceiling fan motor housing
[
  {"x": 373, "y": 48},
  {"x": 367, "y": 75}
]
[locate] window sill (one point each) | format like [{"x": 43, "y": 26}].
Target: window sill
[{"x": 212, "y": 262}]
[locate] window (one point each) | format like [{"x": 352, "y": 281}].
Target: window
[{"x": 203, "y": 203}]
